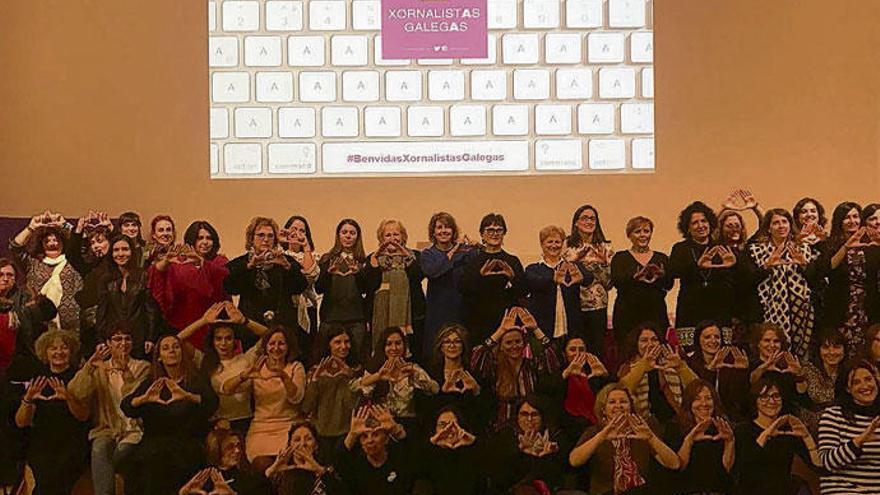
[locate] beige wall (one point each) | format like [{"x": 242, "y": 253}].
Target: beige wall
[{"x": 103, "y": 104}]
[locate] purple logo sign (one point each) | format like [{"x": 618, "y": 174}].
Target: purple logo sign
[{"x": 434, "y": 29}]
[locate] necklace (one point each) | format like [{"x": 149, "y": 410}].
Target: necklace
[{"x": 640, "y": 249}]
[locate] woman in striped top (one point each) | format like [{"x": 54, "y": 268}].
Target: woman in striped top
[{"x": 849, "y": 434}]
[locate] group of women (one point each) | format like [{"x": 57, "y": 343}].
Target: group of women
[{"x": 161, "y": 366}]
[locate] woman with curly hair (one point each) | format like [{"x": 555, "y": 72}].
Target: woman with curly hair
[
  {"x": 40, "y": 248},
  {"x": 704, "y": 269}
]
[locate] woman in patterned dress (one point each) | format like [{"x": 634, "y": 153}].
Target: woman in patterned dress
[{"x": 783, "y": 288}]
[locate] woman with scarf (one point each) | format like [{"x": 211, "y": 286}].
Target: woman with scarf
[
  {"x": 296, "y": 239},
  {"x": 265, "y": 279},
  {"x": 619, "y": 449},
  {"x": 40, "y": 247},
  {"x": 189, "y": 279},
  {"x": 394, "y": 274},
  {"x": 511, "y": 367},
  {"x": 450, "y": 367}
]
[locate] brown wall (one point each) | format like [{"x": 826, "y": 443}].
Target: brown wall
[{"x": 104, "y": 104}]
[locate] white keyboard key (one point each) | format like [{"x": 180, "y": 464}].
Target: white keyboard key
[
  {"x": 531, "y": 84},
  {"x": 424, "y": 121},
  {"x": 319, "y": 87},
  {"x": 296, "y": 122},
  {"x": 434, "y": 61},
  {"x": 643, "y": 153},
  {"x": 253, "y": 122},
  {"x": 339, "y": 121},
  {"x": 403, "y": 85},
  {"x": 377, "y": 55},
  {"x": 212, "y": 17},
  {"x": 648, "y": 82},
  {"x": 291, "y": 158},
  {"x": 366, "y": 15},
  {"x": 510, "y": 120},
  {"x": 262, "y": 51},
  {"x": 558, "y": 154},
  {"x": 583, "y": 13},
  {"x": 520, "y": 48},
  {"x": 382, "y": 122},
  {"x": 574, "y": 84},
  {"x": 327, "y": 15},
  {"x": 540, "y": 14},
  {"x": 552, "y": 120},
  {"x": 467, "y": 120},
  {"x": 485, "y": 156},
  {"x": 562, "y": 48},
  {"x": 274, "y": 87},
  {"x": 489, "y": 85},
  {"x": 305, "y": 51},
  {"x": 641, "y": 48},
  {"x": 219, "y": 123},
  {"x": 243, "y": 158},
  {"x": 502, "y": 14},
  {"x": 349, "y": 50},
  {"x": 596, "y": 118},
  {"x": 230, "y": 87},
  {"x": 360, "y": 85},
  {"x": 617, "y": 83},
  {"x": 284, "y": 15},
  {"x": 491, "y": 53},
  {"x": 445, "y": 85},
  {"x": 626, "y": 13},
  {"x": 222, "y": 51},
  {"x": 637, "y": 118},
  {"x": 214, "y": 155},
  {"x": 607, "y": 154},
  {"x": 241, "y": 15},
  {"x": 605, "y": 48}
]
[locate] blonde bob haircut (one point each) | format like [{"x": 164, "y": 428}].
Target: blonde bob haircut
[
  {"x": 550, "y": 231},
  {"x": 252, "y": 227},
  {"x": 384, "y": 223}
]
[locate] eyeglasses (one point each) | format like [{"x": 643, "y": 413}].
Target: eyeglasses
[
  {"x": 493, "y": 230},
  {"x": 775, "y": 397},
  {"x": 265, "y": 235},
  {"x": 451, "y": 342}
]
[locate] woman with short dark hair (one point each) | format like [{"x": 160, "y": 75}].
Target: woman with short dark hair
[{"x": 189, "y": 279}]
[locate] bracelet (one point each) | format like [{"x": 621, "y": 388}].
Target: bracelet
[{"x": 26, "y": 402}]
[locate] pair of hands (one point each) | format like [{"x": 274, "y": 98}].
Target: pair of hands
[
  {"x": 662, "y": 357},
  {"x": 344, "y": 266},
  {"x": 331, "y": 367},
  {"x": 214, "y": 314},
  {"x": 295, "y": 240},
  {"x": 740, "y": 360},
  {"x": 509, "y": 322},
  {"x": 47, "y": 219},
  {"x": 496, "y": 266},
  {"x": 786, "y": 254},
  {"x": 811, "y": 231},
  {"x": 182, "y": 254},
  {"x": 739, "y": 200},
  {"x": 592, "y": 254},
  {"x": 462, "y": 246},
  {"x": 537, "y": 444},
  {"x": 267, "y": 259},
  {"x": 275, "y": 370},
  {"x": 649, "y": 273},
  {"x": 699, "y": 433},
  {"x": 46, "y": 389},
  {"x": 196, "y": 485},
  {"x": 175, "y": 392},
  {"x": 786, "y": 425},
  {"x": 296, "y": 457},
  {"x": 864, "y": 237},
  {"x": 580, "y": 361},
  {"x": 459, "y": 381},
  {"x": 395, "y": 369},
  {"x": 627, "y": 426},
  {"x": 453, "y": 436},
  {"x": 792, "y": 364},
  {"x": 726, "y": 254},
  {"x": 109, "y": 358},
  {"x": 374, "y": 417},
  {"x": 94, "y": 220},
  {"x": 567, "y": 274}
]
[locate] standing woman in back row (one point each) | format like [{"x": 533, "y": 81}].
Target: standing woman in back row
[
  {"x": 588, "y": 247},
  {"x": 296, "y": 239},
  {"x": 343, "y": 283}
]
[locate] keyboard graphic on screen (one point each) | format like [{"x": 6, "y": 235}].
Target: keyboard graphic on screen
[{"x": 300, "y": 89}]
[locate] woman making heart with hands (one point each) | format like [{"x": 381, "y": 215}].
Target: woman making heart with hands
[
  {"x": 770, "y": 343},
  {"x": 299, "y": 468},
  {"x": 704, "y": 441},
  {"x": 619, "y": 448},
  {"x": 174, "y": 404},
  {"x": 453, "y": 449},
  {"x": 278, "y": 383},
  {"x": 576, "y": 386},
  {"x": 726, "y": 367},
  {"x": 450, "y": 366},
  {"x": 766, "y": 446}
]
